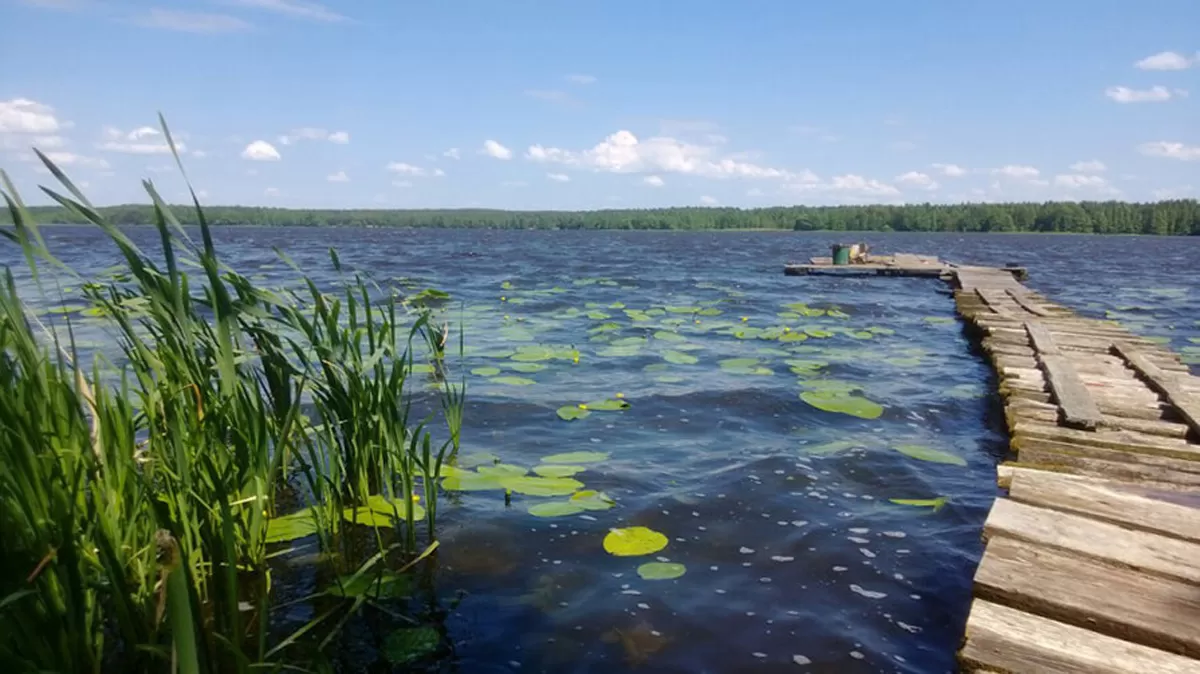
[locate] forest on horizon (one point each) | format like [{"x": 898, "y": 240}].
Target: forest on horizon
[{"x": 1176, "y": 217}]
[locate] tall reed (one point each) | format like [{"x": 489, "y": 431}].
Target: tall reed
[{"x": 139, "y": 509}]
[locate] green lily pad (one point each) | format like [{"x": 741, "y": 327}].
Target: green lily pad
[
  {"x": 616, "y": 305},
  {"x": 608, "y": 405},
  {"x": 683, "y": 310},
  {"x": 817, "y": 333},
  {"x": 793, "y": 336},
  {"x": 665, "y": 336},
  {"x": 598, "y": 315},
  {"x": 572, "y": 412},
  {"x": 661, "y": 570},
  {"x": 620, "y": 351},
  {"x": 854, "y": 406},
  {"x": 629, "y": 341},
  {"x": 935, "y": 503},
  {"x": 502, "y": 470},
  {"x": 541, "y": 486},
  {"x": 882, "y": 331},
  {"x": 385, "y": 586},
  {"x": 605, "y": 327},
  {"x": 527, "y": 368},
  {"x": 862, "y": 334},
  {"x": 737, "y": 363},
  {"x": 655, "y": 367},
  {"x": 477, "y": 459},
  {"x": 668, "y": 379},
  {"x": 512, "y": 381},
  {"x": 290, "y": 527},
  {"x": 379, "y": 511},
  {"x": 555, "y": 509},
  {"x": 710, "y": 311},
  {"x": 938, "y": 320},
  {"x": 634, "y": 541},
  {"x": 576, "y": 457},
  {"x": 836, "y": 313},
  {"x": 748, "y": 333},
  {"x": 411, "y": 644},
  {"x": 471, "y": 482},
  {"x": 486, "y": 371},
  {"x": 680, "y": 358},
  {"x": 556, "y": 470},
  {"x": 932, "y": 455},
  {"x": 590, "y": 499}
]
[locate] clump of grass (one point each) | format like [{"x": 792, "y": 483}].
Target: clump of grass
[{"x": 137, "y": 508}]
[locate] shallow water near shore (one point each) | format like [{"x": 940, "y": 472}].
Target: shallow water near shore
[{"x": 809, "y": 536}]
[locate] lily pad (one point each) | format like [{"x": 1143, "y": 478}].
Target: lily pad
[
  {"x": 598, "y": 316},
  {"x": 661, "y": 570},
  {"x": 608, "y": 405},
  {"x": 512, "y": 381},
  {"x": 471, "y": 482},
  {"x": 938, "y": 320},
  {"x": 605, "y": 327},
  {"x": 290, "y": 527},
  {"x": 932, "y": 455},
  {"x": 572, "y": 412},
  {"x": 576, "y": 457},
  {"x": 629, "y": 341},
  {"x": 793, "y": 337},
  {"x": 634, "y": 541},
  {"x": 387, "y": 585},
  {"x": 486, "y": 371},
  {"x": 502, "y": 470},
  {"x": 621, "y": 351},
  {"x": 557, "y": 470},
  {"x": 379, "y": 511},
  {"x": 817, "y": 333},
  {"x": 411, "y": 644},
  {"x": 680, "y": 358},
  {"x": 527, "y": 368},
  {"x": 590, "y": 499},
  {"x": 854, "y": 406},
  {"x": 655, "y": 367},
  {"x": 738, "y": 363},
  {"x": 477, "y": 459},
  {"x": 710, "y": 311},
  {"x": 665, "y": 336},
  {"x": 555, "y": 509},
  {"x": 541, "y": 486},
  {"x": 935, "y": 503}
]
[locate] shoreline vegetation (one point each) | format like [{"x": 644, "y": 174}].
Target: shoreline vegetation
[
  {"x": 1177, "y": 217},
  {"x": 232, "y": 439}
]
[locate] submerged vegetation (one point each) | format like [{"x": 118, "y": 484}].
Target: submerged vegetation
[
  {"x": 1178, "y": 217},
  {"x": 143, "y": 500}
]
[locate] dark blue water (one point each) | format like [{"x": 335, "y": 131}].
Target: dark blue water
[{"x": 782, "y": 512}]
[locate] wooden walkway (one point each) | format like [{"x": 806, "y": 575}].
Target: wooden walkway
[{"x": 1092, "y": 561}]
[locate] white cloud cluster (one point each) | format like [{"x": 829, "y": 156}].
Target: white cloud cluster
[
  {"x": 404, "y": 169},
  {"x": 623, "y": 152},
  {"x": 1017, "y": 172},
  {"x": 452, "y": 153},
  {"x": 559, "y": 177},
  {"x": 1155, "y": 94},
  {"x": 142, "y": 140},
  {"x": 709, "y": 201},
  {"x": 314, "y": 133},
  {"x": 1168, "y": 60},
  {"x": 339, "y": 177},
  {"x": 190, "y": 22},
  {"x": 494, "y": 149},
  {"x": 296, "y": 8},
  {"x": 1170, "y": 150},
  {"x": 653, "y": 181},
  {"x": 21, "y": 115},
  {"x": 1078, "y": 180},
  {"x": 917, "y": 179},
  {"x": 951, "y": 170},
  {"x": 261, "y": 150}
]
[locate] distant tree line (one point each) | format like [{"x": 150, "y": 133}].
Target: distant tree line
[{"x": 1178, "y": 217}]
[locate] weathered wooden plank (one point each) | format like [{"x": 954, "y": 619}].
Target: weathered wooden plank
[
  {"x": 997, "y": 301},
  {"x": 1110, "y": 439},
  {"x": 1028, "y": 410},
  {"x": 1121, "y": 603},
  {"x": 1149, "y": 553},
  {"x": 1023, "y": 299},
  {"x": 1165, "y": 384},
  {"x": 1108, "y": 500},
  {"x": 1008, "y": 640},
  {"x": 1078, "y": 408},
  {"x": 1081, "y": 463}
]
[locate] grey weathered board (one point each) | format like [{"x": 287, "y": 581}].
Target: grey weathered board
[{"x": 1092, "y": 562}]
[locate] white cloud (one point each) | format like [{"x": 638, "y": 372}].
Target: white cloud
[
  {"x": 1079, "y": 181},
  {"x": 191, "y": 22},
  {"x": 261, "y": 150},
  {"x": 559, "y": 177},
  {"x": 1093, "y": 166},
  {"x": 142, "y": 140},
  {"x": 848, "y": 187},
  {"x": 21, "y": 115},
  {"x": 1168, "y": 60},
  {"x": 1017, "y": 172},
  {"x": 314, "y": 133},
  {"x": 653, "y": 181},
  {"x": 581, "y": 79},
  {"x": 1170, "y": 150},
  {"x": 296, "y": 8},
  {"x": 623, "y": 152},
  {"x": 69, "y": 159},
  {"x": 339, "y": 177},
  {"x": 1155, "y": 94},
  {"x": 272, "y": 192},
  {"x": 709, "y": 201},
  {"x": 496, "y": 150},
  {"x": 917, "y": 179},
  {"x": 452, "y": 153},
  {"x": 951, "y": 170},
  {"x": 402, "y": 183},
  {"x": 404, "y": 169},
  {"x": 438, "y": 173}
]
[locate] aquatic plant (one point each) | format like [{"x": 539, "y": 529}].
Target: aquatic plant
[{"x": 140, "y": 509}]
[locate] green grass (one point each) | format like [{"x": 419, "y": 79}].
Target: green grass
[{"x": 136, "y": 507}]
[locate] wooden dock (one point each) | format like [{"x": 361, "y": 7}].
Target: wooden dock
[
  {"x": 1092, "y": 561},
  {"x": 900, "y": 264}
]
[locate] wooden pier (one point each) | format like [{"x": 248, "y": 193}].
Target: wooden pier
[
  {"x": 900, "y": 264},
  {"x": 1092, "y": 561}
]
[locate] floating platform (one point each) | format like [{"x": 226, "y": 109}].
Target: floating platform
[
  {"x": 1092, "y": 558},
  {"x": 900, "y": 264}
]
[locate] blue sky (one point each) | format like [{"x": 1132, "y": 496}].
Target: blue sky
[{"x": 614, "y": 104}]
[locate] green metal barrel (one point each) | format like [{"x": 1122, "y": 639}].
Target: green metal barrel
[{"x": 841, "y": 254}]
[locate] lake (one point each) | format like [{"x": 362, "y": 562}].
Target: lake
[{"x": 807, "y": 535}]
